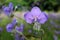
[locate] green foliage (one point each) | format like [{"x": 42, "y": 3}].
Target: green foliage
[
  {"x": 43, "y": 4},
  {"x": 48, "y": 34},
  {"x": 4, "y": 34}
]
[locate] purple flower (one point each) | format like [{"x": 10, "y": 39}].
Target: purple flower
[
  {"x": 16, "y": 36},
  {"x": 11, "y": 6},
  {"x": 35, "y": 15},
  {"x": 9, "y": 27},
  {"x": 54, "y": 24},
  {"x": 1, "y": 29},
  {"x": 20, "y": 29},
  {"x": 8, "y": 10},
  {"x": 57, "y": 32},
  {"x": 14, "y": 22},
  {"x": 55, "y": 37},
  {"x": 19, "y": 37}
]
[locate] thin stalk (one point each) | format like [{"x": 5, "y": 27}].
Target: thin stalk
[{"x": 22, "y": 34}]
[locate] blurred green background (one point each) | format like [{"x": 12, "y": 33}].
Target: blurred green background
[{"x": 48, "y": 5}]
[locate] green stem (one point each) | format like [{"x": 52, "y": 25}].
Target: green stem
[
  {"x": 37, "y": 26},
  {"x": 22, "y": 35}
]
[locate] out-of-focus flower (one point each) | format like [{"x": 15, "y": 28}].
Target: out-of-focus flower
[
  {"x": 22, "y": 38},
  {"x": 9, "y": 27},
  {"x": 35, "y": 15},
  {"x": 30, "y": 31},
  {"x": 14, "y": 22},
  {"x": 16, "y": 36},
  {"x": 54, "y": 24},
  {"x": 21, "y": 28},
  {"x": 55, "y": 37},
  {"x": 57, "y": 32},
  {"x": 8, "y": 10},
  {"x": 1, "y": 29},
  {"x": 11, "y": 6},
  {"x": 19, "y": 37}
]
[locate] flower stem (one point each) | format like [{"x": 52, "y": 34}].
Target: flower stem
[
  {"x": 37, "y": 26},
  {"x": 22, "y": 35}
]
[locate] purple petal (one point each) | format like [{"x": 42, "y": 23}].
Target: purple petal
[
  {"x": 42, "y": 18},
  {"x": 9, "y": 27},
  {"x": 35, "y": 11},
  {"x": 3, "y": 7},
  {"x": 1, "y": 29},
  {"x": 19, "y": 37},
  {"x": 28, "y": 17},
  {"x": 55, "y": 37},
  {"x": 54, "y": 24},
  {"x": 57, "y": 32},
  {"x": 35, "y": 15},
  {"x": 16, "y": 36},
  {"x": 20, "y": 28},
  {"x": 11, "y": 6},
  {"x": 14, "y": 21},
  {"x": 7, "y": 11}
]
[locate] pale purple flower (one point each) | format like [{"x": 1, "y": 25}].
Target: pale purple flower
[
  {"x": 54, "y": 24},
  {"x": 55, "y": 37},
  {"x": 9, "y": 27},
  {"x": 14, "y": 22},
  {"x": 19, "y": 37},
  {"x": 20, "y": 28},
  {"x": 11, "y": 6},
  {"x": 57, "y": 32},
  {"x": 3, "y": 7},
  {"x": 1, "y": 29},
  {"x": 35, "y": 15},
  {"x": 8, "y": 9},
  {"x": 16, "y": 36}
]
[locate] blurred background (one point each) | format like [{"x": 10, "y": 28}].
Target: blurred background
[{"x": 51, "y": 7}]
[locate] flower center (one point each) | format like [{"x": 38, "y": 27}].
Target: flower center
[{"x": 35, "y": 17}]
